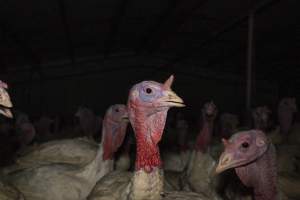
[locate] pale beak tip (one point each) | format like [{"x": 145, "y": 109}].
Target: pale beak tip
[
  {"x": 8, "y": 114},
  {"x": 218, "y": 170},
  {"x": 125, "y": 119}
]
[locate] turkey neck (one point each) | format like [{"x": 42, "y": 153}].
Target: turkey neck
[
  {"x": 147, "y": 182},
  {"x": 112, "y": 136},
  {"x": 100, "y": 165},
  {"x": 148, "y": 131},
  {"x": 103, "y": 162},
  {"x": 261, "y": 175},
  {"x": 205, "y": 134},
  {"x": 107, "y": 139}
]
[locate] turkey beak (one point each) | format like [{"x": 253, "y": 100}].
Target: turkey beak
[
  {"x": 6, "y": 112},
  {"x": 171, "y": 99},
  {"x": 125, "y": 118},
  {"x": 5, "y": 104},
  {"x": 226, "y": 162},
  {"x": 5, "y": 98}
]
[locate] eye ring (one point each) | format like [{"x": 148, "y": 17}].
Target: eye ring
[{"x": 148, "y": 90}]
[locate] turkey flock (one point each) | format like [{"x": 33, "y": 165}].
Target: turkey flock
[{"x": 133, "y": 152}]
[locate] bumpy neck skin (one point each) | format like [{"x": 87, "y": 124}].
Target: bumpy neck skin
[
  {"x": 261, "y": 175},
  {"x": 112, "y": 133},
  {"x": 148, "y": 127},
  {"x": 205, "y": 135}
]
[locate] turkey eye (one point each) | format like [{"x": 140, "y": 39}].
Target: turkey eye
[
  {"x": 117, "y": 110},
  {"x": 245, "y": 144},
  {"x": 148, "y": 91}
]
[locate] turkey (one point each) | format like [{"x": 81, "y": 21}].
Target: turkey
[
  {"x": 67, "y": 126},
  {"x": 58, "y": 151},
  {"x": 286, "y": 154},
  {"x": 204, "y": 139},
  {"x": 148, "y": 104},
  {"x": 199, "y": 174},
  {"x": 253, "y": 157},
  {"x": 73, "y": 182},
  {"x": 5, "y": 102},
  {"x": 89, "y": 122},
  {"x": 20, "y": 118},
  {"x": 16, "y": 136},
  {"x": 228, "y": 124},
  {"x": 262, "y": 121},
  {"x": 287, "y": 121},
  {"x": 177, "y": 160},
  {"x": 288, "y": 151},
  {"x": 25, "y": 131},
  {"x": 7, "y": 192},
  {"x": 286, "y": 109},
  {"x": 43, "y": 129},
  {"x": 261, "y": 118}
]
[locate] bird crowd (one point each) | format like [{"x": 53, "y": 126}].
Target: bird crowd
[{"x": 133, "y": 152}]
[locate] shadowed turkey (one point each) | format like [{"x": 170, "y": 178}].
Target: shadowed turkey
[
  {"x": 7, "y": 192},
  {"x": 72, "y": 181}
]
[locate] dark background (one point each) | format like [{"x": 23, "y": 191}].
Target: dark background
[{"x": 57, "y": 55}]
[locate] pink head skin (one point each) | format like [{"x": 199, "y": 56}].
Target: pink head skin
[
  {"x": 261, "y": 117},
  {"x": 114, "y": 129},
  {"x": 286, "y": 110},
  {"x": 5, "y": 102},
  {"x": 148, "y": 104},
  {"x": 209, "y": 113},
  {"x": 253, "y": 157}
]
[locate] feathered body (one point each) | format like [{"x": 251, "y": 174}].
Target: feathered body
[
  {"x": 72, "y": 182},
  {"x": 148, "y": 104}
]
